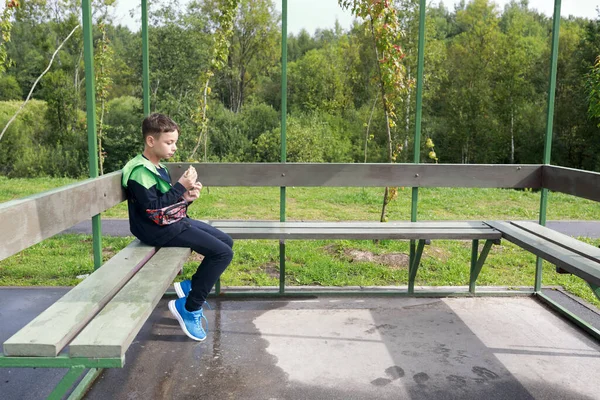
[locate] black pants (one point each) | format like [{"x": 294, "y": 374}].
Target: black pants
[{"x": 215, "y": 246}]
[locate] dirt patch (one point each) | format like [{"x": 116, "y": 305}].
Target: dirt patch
[
  {"x": 391, "y": 260},
  {"x": 108, "y": 252},
  {"x": 271, "y": 269},
  {"x": 437, "y": 252}
]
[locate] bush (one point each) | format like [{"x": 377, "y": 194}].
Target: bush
[
  {"x": 310, "y": 138},
  {"x": 123, "y": 132},
  {"x": 18, "y": 145},
  {"x": 9, "y": 88}
]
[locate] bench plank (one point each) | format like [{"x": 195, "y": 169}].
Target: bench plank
[
  {"x": 350, "y": 224},
  {"x": 50, "y": 331},
  {"x": 557, "y": 255},
  {"x": 110, "y": 334},
  {"x": 361, "y": 233},
  {"x": 579, "y": 247},
  {"x": 32, "y": 219}
]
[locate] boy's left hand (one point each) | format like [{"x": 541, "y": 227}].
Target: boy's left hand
[{"x": 193, "y": 193}]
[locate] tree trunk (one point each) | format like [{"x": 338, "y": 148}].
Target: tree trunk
[
  {"x": 404, "y": 156},
  {"x": 512, "y": 134},
  {"x": 369, "y": 126}
]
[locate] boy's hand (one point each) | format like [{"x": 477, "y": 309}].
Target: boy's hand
[
  {"x": 188, "y": 179},
  {"x": 193, "y": 193}
]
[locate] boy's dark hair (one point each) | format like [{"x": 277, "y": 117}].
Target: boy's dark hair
[{"x": 156, "y": 123}]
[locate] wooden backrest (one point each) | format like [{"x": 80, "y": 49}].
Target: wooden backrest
[
  {"x": 363, "y": 175},
  {"x": 30, "y": 220},
  {"x": 577, "y": 182}
]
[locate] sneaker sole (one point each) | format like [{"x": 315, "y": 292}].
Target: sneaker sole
[
  {"x": 178, "y": 290},
  {"x": 176, "y": 314}
]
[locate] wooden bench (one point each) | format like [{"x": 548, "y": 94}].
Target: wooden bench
[
  {"x": 422, "y": 232},
  {"x": 567, "y": 253},
  {"x": 92, "y": 325}
]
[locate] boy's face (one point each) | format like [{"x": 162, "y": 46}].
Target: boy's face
[{"x": 165, "y": 146}]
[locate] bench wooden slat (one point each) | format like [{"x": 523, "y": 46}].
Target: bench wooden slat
[
  {"x": 111, "y": 332},
  {"x": 32, "y": 219},
  {"x": 50, "y": 331},
  {"x": 558, "y": 255},
  {"x": 579, "y": 247},
  {"x": 350, "y": 224},
  {"x": 360, "y": 233}
]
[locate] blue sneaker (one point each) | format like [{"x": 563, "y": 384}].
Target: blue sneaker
[
  {"x": 183, "y": 288},
  {"x": 191, "y": 322}
]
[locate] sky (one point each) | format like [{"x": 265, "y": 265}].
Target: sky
[{"x": 313, "y": 14}]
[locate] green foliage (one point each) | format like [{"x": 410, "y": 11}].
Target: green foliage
[
  {"x": 19, "y": 149},
  {"x": 9, "y": 88},
  {"x": 484, "y": 100},
  {"x": 319, "y": 81},
  {"x": 593, "y": 86},
  {"x": 309, "y": 139},
  {"x": 5, "y": 29},
  {"x": 123, "y": 134}
]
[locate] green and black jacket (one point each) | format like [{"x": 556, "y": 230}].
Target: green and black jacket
[{"x": 148, "y": 190}]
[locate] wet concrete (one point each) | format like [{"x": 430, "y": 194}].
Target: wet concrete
[{"x": 341, "y": 348}]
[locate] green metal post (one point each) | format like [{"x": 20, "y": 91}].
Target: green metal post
[
  {"x": 90, "y": 96},
  {"x": 417, "y": 144},
  {"x": 84, "y": 385},
  {"x": 549, "y": 123},
  {"x": 595, "y": 290},
  {"x": 282, "y": 197},
  {"x": 474, "y": 255},
  {"x": 414, "y": 266},
  {"x": 67, "y": 381},
  {"x": 145, "y": 59}
]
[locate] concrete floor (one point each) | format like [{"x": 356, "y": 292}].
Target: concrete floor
[{"x": 337, "y": 348}]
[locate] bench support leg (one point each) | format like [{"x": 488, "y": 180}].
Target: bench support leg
[
  {"x": 85, "y": 384},
  {"x": 66, "y": 382},
  {"x": 72, "y": 375},
  {"x": 595, "y": 289},
  {"x": 478, "y": 260},
  {"x": 414, "y": 266},
  {"x": 281, "y": 266}
]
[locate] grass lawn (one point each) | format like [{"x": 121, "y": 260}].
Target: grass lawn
[{"x": 59, "y": 260}]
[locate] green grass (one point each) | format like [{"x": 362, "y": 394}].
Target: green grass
[{"x": 59, "y": 260}]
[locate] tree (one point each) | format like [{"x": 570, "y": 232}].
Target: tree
[
  {"x": 471, "y": 127},
  {"x": 382, "y": 20},
  {"x": 254, "y": 36},
  {"x": 520, "y": 50}
]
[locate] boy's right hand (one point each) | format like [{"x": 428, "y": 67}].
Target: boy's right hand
[{"x": 189, "y": 177}]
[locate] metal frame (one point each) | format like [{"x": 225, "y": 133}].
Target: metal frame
[{"x": 77, "y": 366}]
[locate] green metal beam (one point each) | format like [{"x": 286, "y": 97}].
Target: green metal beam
[
  {"x": 85, "y": 383},
  {"x": 549, "y": 127},
  {"x": 414, "y": 266},
  {"x": 569, "y": 315},
  {"x": 66, "y": 383},
  {"x": 145, "y": 59},
  {"x": 291, "y": 292},
  {"x": 90, "y": 97},
  {"x": 595, "y": 289},
  {"x": 61, "y": 361},
  {"x": 479, "y": 261},
  {"x": 282, "y": 191},
  {"x": 417, "y": 143}
]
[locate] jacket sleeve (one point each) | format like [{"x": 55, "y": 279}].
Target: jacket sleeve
[{"x": 150, "y": 198}]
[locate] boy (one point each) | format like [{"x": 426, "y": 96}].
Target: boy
[{"x": 158, "y": 217}]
